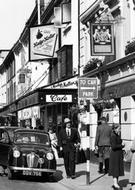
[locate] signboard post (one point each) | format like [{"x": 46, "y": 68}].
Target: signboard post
[{"x": 87, "y": 90}]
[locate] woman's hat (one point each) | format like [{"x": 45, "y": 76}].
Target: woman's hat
[
  {"x": 115, "y": 126},
  {"x": 103, "y": 119},
  {"x": 67, "y": 120}
]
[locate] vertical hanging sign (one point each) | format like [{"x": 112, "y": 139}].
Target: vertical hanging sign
[
  {"x": 42, "y": 42},
  {"x": 102, "y": 39}
]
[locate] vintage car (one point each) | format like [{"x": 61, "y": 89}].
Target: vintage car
[{"x": 26, "y": 152}]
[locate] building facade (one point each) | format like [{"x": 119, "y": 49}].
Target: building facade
[
  {"x": 42, "y": 90},
  {"x": 114, "y": 71},
  {"x": 93, "y": 39}
]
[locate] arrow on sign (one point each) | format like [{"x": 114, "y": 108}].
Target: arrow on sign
[{"x": 88, "y": 88}]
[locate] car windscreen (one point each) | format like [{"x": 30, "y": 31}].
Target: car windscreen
[
  {"x": 10, "y": 132},
  {"x": 30, "y": 138}
]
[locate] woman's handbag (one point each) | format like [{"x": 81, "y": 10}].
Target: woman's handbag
[{"x": 128, "y": 155}]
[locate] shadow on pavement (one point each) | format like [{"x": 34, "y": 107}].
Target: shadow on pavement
[
  {"x": 124, "y": 183},
  {"x": 58, "y": 175},
  {"x": 97, "y": 178},
  {"x": 80, "y": 173}
]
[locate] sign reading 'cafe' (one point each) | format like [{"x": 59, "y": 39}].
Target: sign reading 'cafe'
[{"x": 58, "y": 98}]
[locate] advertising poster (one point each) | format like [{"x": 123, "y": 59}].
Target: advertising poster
[{"x": 42, "y": 42}]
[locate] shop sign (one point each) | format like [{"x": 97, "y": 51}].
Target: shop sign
[
  {"x": 70, "y": 83},
  {"x": 58, "y": 98},
  {"x": 102, "y": 39},
  {"x": 36, "y": 111},
  {"x": 27, "y": 113},
  {"x": 42, "y": 42},
  {"x": 20, "y": 115}
]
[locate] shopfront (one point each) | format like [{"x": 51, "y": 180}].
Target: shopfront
[
  {"x": 48, "y": 105},
  {"x": 30, "y": 115}
]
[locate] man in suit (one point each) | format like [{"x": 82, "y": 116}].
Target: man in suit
[
  {"x": 69, "y": 139},
  {"x": 102, "y": 143}
]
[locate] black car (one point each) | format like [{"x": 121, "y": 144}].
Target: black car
[{"x": 26, "y": 152}]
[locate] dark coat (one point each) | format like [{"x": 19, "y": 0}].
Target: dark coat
[
  {"x": 68, "y": 142},
  {"x": 69, "y": 149},
  {"x": 116, "y": 165},
  {"x": 103, "y": 135},
  {"x": 132, "y": 167}
]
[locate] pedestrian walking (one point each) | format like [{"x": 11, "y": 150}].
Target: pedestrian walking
[
  {"x": 116, "y": 165},
  {"x": 102, "y": 144},
  {"x": 54, "y": 142},
  {"x": 132, "y": 167},
  {"x": 69, "y": 140}
]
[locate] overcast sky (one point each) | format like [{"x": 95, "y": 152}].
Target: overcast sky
[{"x": 13, "y": 16}]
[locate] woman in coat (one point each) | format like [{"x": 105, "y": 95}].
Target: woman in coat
[
  {"x": 116, "y": 165},
  {"x": 132, "y": 167}
]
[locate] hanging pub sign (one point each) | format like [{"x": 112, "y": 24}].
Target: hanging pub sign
[
  {"x": 42, "y": 42},
  {"x": 102, "y": 39}
]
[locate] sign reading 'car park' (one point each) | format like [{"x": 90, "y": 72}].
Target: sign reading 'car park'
[{"x": 87, "y": 88}]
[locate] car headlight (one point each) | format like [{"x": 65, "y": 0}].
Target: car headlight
[
  {"x": 16, "y": 153},
  {"x": 49, "y": 156}
]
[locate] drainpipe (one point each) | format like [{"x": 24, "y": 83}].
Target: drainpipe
[
  {"x": 38, "y": 5},
  {"x": 78, "y": 37}
]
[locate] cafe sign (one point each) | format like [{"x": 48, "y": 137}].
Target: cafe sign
[{"x": 61, "y": 98}]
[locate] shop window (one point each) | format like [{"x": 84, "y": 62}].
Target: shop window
[
  {"x": 62, "y": 14},
  {"x": 66, "y": 12},
  {"x": 53, "y": 71},
  {"x": 65, "y": 61}
]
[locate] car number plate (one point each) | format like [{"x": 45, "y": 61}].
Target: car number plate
[{"x": 32, "y": 173}]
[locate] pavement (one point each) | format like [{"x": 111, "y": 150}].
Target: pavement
[{"x": 95, "y": 181}]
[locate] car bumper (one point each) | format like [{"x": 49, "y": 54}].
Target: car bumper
[{"x": 32, "y": 169}]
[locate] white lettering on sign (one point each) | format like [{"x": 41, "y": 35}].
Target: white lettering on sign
[
  {"x": 58, "y": 98},
  {"x": 87, "y": 94},
  {"x": 27, "y": 113},
  {"x": 87, "y": 88},
  {"x": 84, "y": 82},
  {"x": 71, "y": 83}
]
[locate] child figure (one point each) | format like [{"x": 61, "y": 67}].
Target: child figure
[{"x": 54, "y": 142}]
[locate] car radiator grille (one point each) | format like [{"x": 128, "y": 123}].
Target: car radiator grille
[{"x": 32, "y": 160}]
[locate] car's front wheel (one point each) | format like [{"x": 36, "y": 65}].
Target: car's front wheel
[{"x": 10, "y": 173}]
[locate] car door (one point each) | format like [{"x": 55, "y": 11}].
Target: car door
[{"x": 4, "y": 147}]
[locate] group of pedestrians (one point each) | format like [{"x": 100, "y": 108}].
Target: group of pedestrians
[
  {"x": 108, "y": 144},
  {"x": 110, "y": 149}
]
